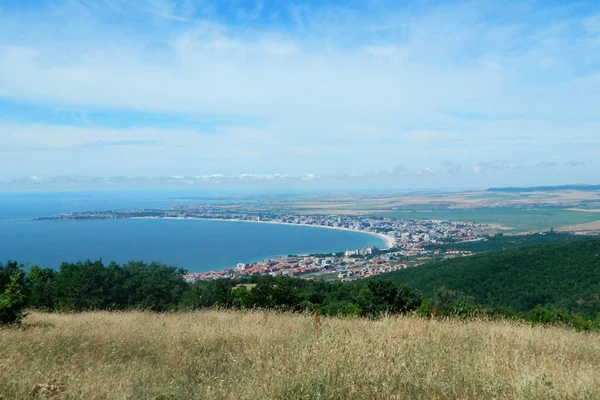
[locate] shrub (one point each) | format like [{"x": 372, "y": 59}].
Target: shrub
[
  {"x": 547, "y": 315},
  {"x": 426, "y": 309},
  {"x": 451, "y": 303}
]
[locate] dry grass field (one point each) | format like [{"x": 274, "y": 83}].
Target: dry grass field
[{"x": 253, "y": 355}]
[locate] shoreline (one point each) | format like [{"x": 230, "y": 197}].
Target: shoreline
[{"x": 389, "y": 241}]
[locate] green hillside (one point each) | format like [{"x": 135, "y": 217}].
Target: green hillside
[
  {"x": 564, "y": 275},
  {"x": 507, "y": 242}
]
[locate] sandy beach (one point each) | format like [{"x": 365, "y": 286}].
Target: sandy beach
[{"x": 390, "y": 241}]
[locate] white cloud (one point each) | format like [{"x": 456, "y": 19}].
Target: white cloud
[
  {"x": 424, "y": 172},
  {"x": 361, "y": 91},
  {"x": 214, "y": 68},
  {"x": 266, "y": 178},
  {"x": 494, "y": 166},
  {"x": 309, "y": 177}
]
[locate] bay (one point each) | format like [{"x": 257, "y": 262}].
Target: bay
[{"x": 196, "y": 245}]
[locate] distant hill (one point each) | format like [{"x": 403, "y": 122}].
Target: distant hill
[
  {"x": 546, "y": 188},
  {"x": 564, "y": 275}
]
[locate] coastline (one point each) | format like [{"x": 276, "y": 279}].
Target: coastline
[{"x": 389, "y": 241}]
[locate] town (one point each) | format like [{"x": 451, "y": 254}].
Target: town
[
  {"x": 345, "y": 266},
  {"x": 408, "y": 242}
]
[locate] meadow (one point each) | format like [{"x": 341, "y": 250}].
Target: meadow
[{"x": 214, "y": 354}]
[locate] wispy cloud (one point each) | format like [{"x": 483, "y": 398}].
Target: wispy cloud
[
  {"x": 453, "y": 168},
  {"x": 547, "y": 164},
  {"x": 424, "y": 172},
  {"x": 266, "y": 178},
  {"x": 397, "y": 171},
  {"x": 111, "y": 143},
  {"x": 555, "y": 164},
  {"x": 168, "y": 181},
  {"x": 322, "y": 87},
  {"x": 494, "y": 165},
  {"x": 575, "y": 163}
]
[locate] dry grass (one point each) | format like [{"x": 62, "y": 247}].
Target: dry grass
[{"x": 252, "y": 355}]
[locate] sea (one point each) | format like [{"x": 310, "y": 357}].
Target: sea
[{"x": 195, "y": 245}]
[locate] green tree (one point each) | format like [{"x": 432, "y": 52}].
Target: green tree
[
  {"x": 241, "y": 297},
  {"x": 153, "y": 286},
  {"x": 13, "y": 293},
  {"x": 384, "y": 296},
  {"x": 42, "y": 288},
  {"x": 82, "y": 286}
]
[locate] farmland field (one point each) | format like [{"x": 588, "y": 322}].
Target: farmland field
[{"x": 517, "y": 219}]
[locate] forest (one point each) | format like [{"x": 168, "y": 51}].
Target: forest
[
  {"x": 507, "y": 242},
  {"x": 564, "y": 275}
]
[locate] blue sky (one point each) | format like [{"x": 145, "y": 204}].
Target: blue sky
[{"x": 315, "y": 94}]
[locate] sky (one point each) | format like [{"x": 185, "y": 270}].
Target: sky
[{"x": 280, "y": 94}]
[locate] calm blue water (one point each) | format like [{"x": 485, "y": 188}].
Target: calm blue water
[
  {"x": 28, "y": 206},
  {"x": 195, "y": 245}
]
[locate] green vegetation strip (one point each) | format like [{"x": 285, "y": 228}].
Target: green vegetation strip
[{"x": 556, "y": 283}]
